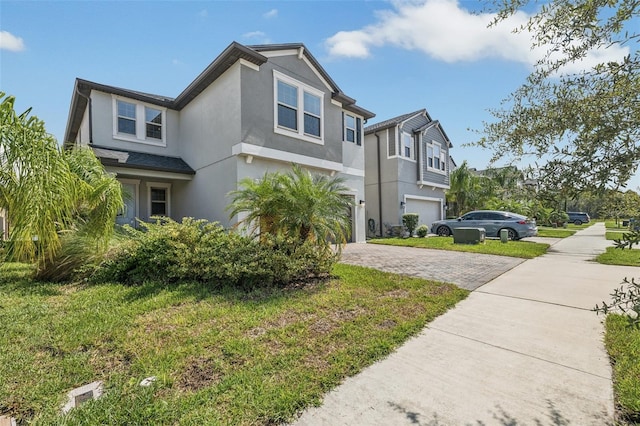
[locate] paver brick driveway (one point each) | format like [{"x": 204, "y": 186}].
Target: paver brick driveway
[{"x": 466, "y": 270}]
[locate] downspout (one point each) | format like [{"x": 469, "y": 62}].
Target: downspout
[
  {"x": 90, "y": 115},
  {"x": 379, "y": 184}
]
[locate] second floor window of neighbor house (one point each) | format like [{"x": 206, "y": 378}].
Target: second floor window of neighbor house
[
  {"x": 407, "y": 145},
  {"x": 435, "y": 157},
  {"x": 305, "y": 121}
]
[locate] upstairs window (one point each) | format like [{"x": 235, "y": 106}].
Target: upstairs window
[
  {"x": 299, "y": 110},
  {"x": 153, "y": 123},
  {"x": 287, "y": 106},
  {"x": 407, "y": 146},
  {"x": 436, "y": 157},
  {"x": 138, "y": 122},
  {"x": 126, "y": 118},
  {"x": 352, "y": 130}
]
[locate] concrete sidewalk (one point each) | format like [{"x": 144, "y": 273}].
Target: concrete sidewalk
[{"x": 524, "y": 349}]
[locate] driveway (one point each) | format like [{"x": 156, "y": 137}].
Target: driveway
[{"x": 466, "y": 270}]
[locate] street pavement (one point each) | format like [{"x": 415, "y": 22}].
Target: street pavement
[{"x": 523, "y": 349}]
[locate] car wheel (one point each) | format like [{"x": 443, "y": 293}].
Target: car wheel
[
  {"x": 443, "y": 231},
  {"x": 511, "y": 234},
  {"x": 577, "y": 222}
]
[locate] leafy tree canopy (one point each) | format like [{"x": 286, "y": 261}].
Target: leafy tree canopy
[{"x": 585, "y": 126}]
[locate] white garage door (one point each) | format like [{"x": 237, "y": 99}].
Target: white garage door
[{"x": 428, "y": 211}]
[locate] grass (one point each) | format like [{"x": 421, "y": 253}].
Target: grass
[
  {"x": 623, "y": 345},
  {"x": 555, "y": 232},
  {"x": 614, "y": 235},
  {"x": 620, "y": 257},
  {"x": 521, "y": 249},
  {"x": 226, "y": 357}
]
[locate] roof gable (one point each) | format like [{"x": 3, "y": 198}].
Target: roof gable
[{"x": 394, "y": 121}]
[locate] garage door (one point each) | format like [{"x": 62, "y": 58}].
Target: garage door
[{"x": 428, "y": 211}]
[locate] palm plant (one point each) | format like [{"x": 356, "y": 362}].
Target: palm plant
[
  {"x": 46, "y": 191},
  {"x": 298, "y": 205}
]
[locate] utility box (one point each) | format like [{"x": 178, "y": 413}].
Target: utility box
[{"x": 469, "y": 235}]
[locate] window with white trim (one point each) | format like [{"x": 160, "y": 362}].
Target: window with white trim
[
  {"x": 153, "y": 122},
  {"x": 126, "y": 117},
  {"x": 352, "y": 128},
  {"x": 436, "y": 157},
  {"x": 299, "y": 109},
  {"x": 138, "y": 122},
  {"x": 159, "y": 198},
  {"x": 407, "y": 146}
]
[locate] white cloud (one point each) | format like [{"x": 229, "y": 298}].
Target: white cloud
[
  {"x": 10, "y": 42},
  {"x": 259, "y": 37},
  {"x": 443, "y": 30},
  {"x": 253, "y": 34},
  {"x": 271, "y": 14},
  {"x": 203, "y": 13},
  {"x": 177, "y": 62}
]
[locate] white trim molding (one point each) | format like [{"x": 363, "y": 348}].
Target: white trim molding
[
  {"x": 286, "y": 157},
  {"x": 433, "y": 185},
  {"x": 156, "y": 174}
]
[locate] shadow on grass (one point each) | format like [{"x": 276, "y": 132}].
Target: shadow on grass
[{"x": 17, "y": 278}]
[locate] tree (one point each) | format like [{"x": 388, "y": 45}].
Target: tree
[
  {"x": 468, "y": 191},
  {"x": 47, "y": 191},
  {"x": 586, "y": 124},
  {"x": 298, "y": 205}
]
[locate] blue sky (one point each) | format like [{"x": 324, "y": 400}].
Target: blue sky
[{"x": 394, "y": 57}]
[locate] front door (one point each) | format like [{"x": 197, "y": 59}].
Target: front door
[{"x": 128, "y": 215}]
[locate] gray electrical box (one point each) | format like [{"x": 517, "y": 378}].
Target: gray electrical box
[{"x": 469, "y": 235}]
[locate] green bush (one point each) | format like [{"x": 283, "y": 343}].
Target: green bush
[
  {"x": 422, "y": 231},
  {"x": 197, "y": 250},
  {"x": 410, "y": 221}
]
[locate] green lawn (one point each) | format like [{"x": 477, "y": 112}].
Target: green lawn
[
  {"x": 621, "y": 257},
  {"x": 623, "y": 345},
  {"x": 522, "y": 249},
  {"x": 614, "y": 235},
  {"x": 555, "y": 232},
  {"x": 226, "y": 357}
]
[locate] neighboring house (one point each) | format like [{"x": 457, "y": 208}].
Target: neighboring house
[
  {"x": 254, "y": 109},
  {"x": 407, "y": 170}
]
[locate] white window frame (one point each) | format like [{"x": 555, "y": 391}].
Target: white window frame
[
  {"x": 412, "y": 153},
  {"x": 159, "y": 185},
  {"x": 442, "y": 158},
  {"x": 355, "y": 128},
  {"x": 302, "y": 88},
  {"x": 141, "y": 123}
]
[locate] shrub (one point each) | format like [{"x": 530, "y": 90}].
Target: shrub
[
  {"x": 197, "y": 250},
  {"x": 410, "y": 221},
  {"x": 422, "y": 231}
]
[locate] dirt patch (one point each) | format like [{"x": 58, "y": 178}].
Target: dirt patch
[
  {"x": 396, "y": 294},
  {"x": 439, "y": 290},
  {"x": 198, "y": 374},
  {"x": 387, "y": 324}
]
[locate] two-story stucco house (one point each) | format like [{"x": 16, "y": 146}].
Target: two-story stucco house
[
  {"x": 407, "y": 170},
  {"x": 253, "y": 109}
]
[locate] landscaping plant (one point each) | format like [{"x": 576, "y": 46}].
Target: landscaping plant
[
  {"x": 422, "y": 231},
  {"x": 410, "y": 221},
  {"x": 197, "y": 250}
]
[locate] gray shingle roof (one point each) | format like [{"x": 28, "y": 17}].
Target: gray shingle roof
[
  {"x": 141, "y": 160},
  {"x": 392, "y": 121}
]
